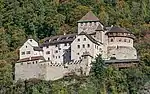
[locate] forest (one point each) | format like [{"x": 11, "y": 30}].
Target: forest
[{"x": 37, "y": 19}]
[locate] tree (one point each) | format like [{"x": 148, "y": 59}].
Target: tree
[{"x": 98, "y": 72}]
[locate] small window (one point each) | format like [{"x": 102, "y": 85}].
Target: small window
[
  {"x": 129, "y": 41},
  {"x": 81, "y": 24},
  {"x": 88, "y": 45},
  {"x": 36, "y": 62},
  {"x": 56, "y": 45},
  {"x": 21, "y": 63},
  {"x": 28, "y": 52},
  {"x": 48, "y": 52},
  {"x": 111, "y": 40},
  {"x": 30, "y": 40},
  {"x": 26, "y": 46},
  {"x": 84, "y": 39},
  {"x": 78, "y": 46},
  {"x": 125, "y": 40},
  {"x": 22, "y": 53},
  {"x": 46, "y": 46},
  {"x": 83, "y": 46},
  {"x": 78, "y": 39},
  {"x": 33, "y": 62},
  {"x": 58, "y": 56},
  {"x": 77, "y": 53},
  {"x": 48, "y": 58},
  {"x": 28, "y": 63},
  {"x": 65, "y": 44},
  {"x": 119, "y": 40},
  {"x": 56, "y": 51}
]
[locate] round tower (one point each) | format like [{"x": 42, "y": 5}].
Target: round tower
[{"x": 120, "y": 44}]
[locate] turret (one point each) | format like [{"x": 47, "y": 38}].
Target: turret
[
  {"x": 88, "y": 23},
  {"x": 118, "y": 36}
]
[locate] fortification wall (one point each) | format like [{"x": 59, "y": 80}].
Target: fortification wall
[{"x": 27, "y": 70}]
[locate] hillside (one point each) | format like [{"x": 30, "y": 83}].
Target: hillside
[{"x": 21, "y": 19}]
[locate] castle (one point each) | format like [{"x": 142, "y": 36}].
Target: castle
[{"x": 60, "y": 55}]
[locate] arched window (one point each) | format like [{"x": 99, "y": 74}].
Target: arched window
[
  {"x": 83, "y": 46},
  {"x": 78, "y": 46},
  {"x": 88, "y": 45},
  {"x": 111, "y": 40}
]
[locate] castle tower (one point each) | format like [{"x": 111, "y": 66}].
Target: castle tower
[
  {"x": 120, "y": 44},
  {"x": 88, "y": 23}
]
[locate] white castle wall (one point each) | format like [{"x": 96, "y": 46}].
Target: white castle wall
[
  {"x": 27, "y": 70},
  {"x": 122, "y": 52}
]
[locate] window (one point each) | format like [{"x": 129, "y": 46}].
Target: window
[
  {"x": 26, "y": 46},
  {"x": 56, "y": 45},
  {"x": 48, "y": 52},
  {"x": 111, "y": 40},
  {"x": 81, "y": 24},
  {"x": 22, "y": 53},
  {"x": 46, "y": 46},
  {"x": 84, "y": 39},
  {"x": 88, "y": 45},
  {"x": 119, "y": 40},
  {"x": 36, "y": 62},
  {"x": 65, "y": 44},
  {"x": 78, "y": 46},
  {"x": 30, "y": 40},
  {"x": 21, "y": 63},
  {"x": 28, "y": 52},
  {"x": 58, "y": 56},
  {"x": 125, "y": 40},
  {"x": 129, "y": 41},
  {"x": 83, "y": 46},
  {"x": 56, "y": 51},
  {"x": 33, "y": 62},
  {"x": 48, "y": 58},
  {"x": 78, "y": 39},
  {"x": 77, "y": 53}
]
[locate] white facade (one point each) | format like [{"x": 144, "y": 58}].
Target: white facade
[
  {"x": 60, "y": 55},
  {"x": 27, "y": 50}
]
